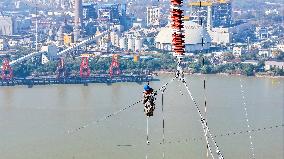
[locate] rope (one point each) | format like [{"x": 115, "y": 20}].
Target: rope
[
  {"x": 71, "y": 131},
  {"x": 247, "y": 120},
  {"x": 204, "y": 126}
]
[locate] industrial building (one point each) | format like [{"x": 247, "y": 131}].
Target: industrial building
[
  {"x": 216, "y": 17},
  {"x": 7, "y": 26},
  {"x": 273, "y": 65},
  {"x": 194, "y": 33}
]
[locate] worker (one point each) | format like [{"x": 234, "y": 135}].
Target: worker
[{"x": 149, "y": 100}]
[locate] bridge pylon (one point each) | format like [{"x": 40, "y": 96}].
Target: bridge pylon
[{"x": 7, "y": 71}]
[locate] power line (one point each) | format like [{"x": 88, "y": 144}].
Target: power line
[
  {"x": 234, "y": 133},
  {"x": 103, "y": 118},
  {"x": 204, "y": 125},
  {"x": 247, "y": 120}
]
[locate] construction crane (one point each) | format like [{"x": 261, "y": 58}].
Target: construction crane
[{"x": 208, "y": 2}]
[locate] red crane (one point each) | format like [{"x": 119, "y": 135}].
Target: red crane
[
  {"x": 61, "y": 71},
  {"x": 85, "y": 70},
  {"x": 114, "y": 67},
  {"x": 7, "y": 72}
]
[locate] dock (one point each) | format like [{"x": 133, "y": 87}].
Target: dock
[{"x": 52, "y": 80}]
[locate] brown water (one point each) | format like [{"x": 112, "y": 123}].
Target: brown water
[{"x": 34, "y": 122}]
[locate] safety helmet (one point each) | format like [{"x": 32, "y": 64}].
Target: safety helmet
[{"x": 147, "y": 88}]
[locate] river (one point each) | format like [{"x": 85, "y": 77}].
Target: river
[{"x": 34, "y": 122}]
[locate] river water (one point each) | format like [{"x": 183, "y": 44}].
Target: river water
[{"x": 34, "y": 122}]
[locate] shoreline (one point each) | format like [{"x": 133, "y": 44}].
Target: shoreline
[{"x": 220, "y": 74}]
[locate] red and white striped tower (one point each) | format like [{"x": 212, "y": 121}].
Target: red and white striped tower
[
  {"x": 6, "y": 72},
  {"x": 178, "y": 32},
  {"x": 85, "y": 70},
  {"x": 114, "y": 67}
]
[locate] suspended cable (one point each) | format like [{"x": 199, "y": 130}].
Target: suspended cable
[
  {"x": 234, "y": 133},
  {"x": 225, "y": 134},
  {"x": 205, "y": 105},
  {"x": 103, "y": 118},
  {"x": 204, "y": 126},
  {"x": 163, "y": 116},
  {"x": 247, "y": 120}
]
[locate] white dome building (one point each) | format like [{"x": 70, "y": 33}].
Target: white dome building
[{"x": 193, "y": 37}]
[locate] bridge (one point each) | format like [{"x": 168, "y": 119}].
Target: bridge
[
  {"x": 68, "y": 50},
  {"x": 61, "y": 77}
]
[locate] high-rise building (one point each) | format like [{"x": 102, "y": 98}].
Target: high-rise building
[
  {"x": 153, "y": 16},
  {"x": 89, "y": 11},
  {"x": 109, "y": 13},
  {"x": 222, "y": 14},
  {"x": 212, "y": 14}
]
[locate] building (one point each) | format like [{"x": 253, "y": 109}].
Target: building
[
  {"x": 280, "y": 47},
  {"x": 51, "y": 51},
  {"x": 238, "y": 51},
  {"x": 89, "y": 11},
  {"x": 216, "y": 17},
  {"x": 261, "y": 33},
  {"x": 68, "y": 39},
  {"x": 114, "y": 38},
  {"x": 194, "y": 33},
  {"x": 251, "y": 62},
  {"x": 222, "y": 14},
  {"x": 212, "y": 14},
  {"x": 109, "y": 13},
  {"x": 221, "y": 36},
  {"x": 153, "y": 16},
  {"x": 274, "y": 64},
  {"x": 7, "y": 26},
  {"x": 264, "y": 52},
  {"x": 199, "y": 12},
  {"x": 3, "y": 44}
]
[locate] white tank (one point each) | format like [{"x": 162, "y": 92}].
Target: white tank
[
  {"x": 138, "y": 44},
  {"x": 131, "y": 44},
  {"x": 122, "y": 43}
]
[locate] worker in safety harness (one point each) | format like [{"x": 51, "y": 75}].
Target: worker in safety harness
[{"x": 149, "y": 100}]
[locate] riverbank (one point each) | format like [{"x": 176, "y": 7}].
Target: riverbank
[{"x": 221, "y": 74}]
